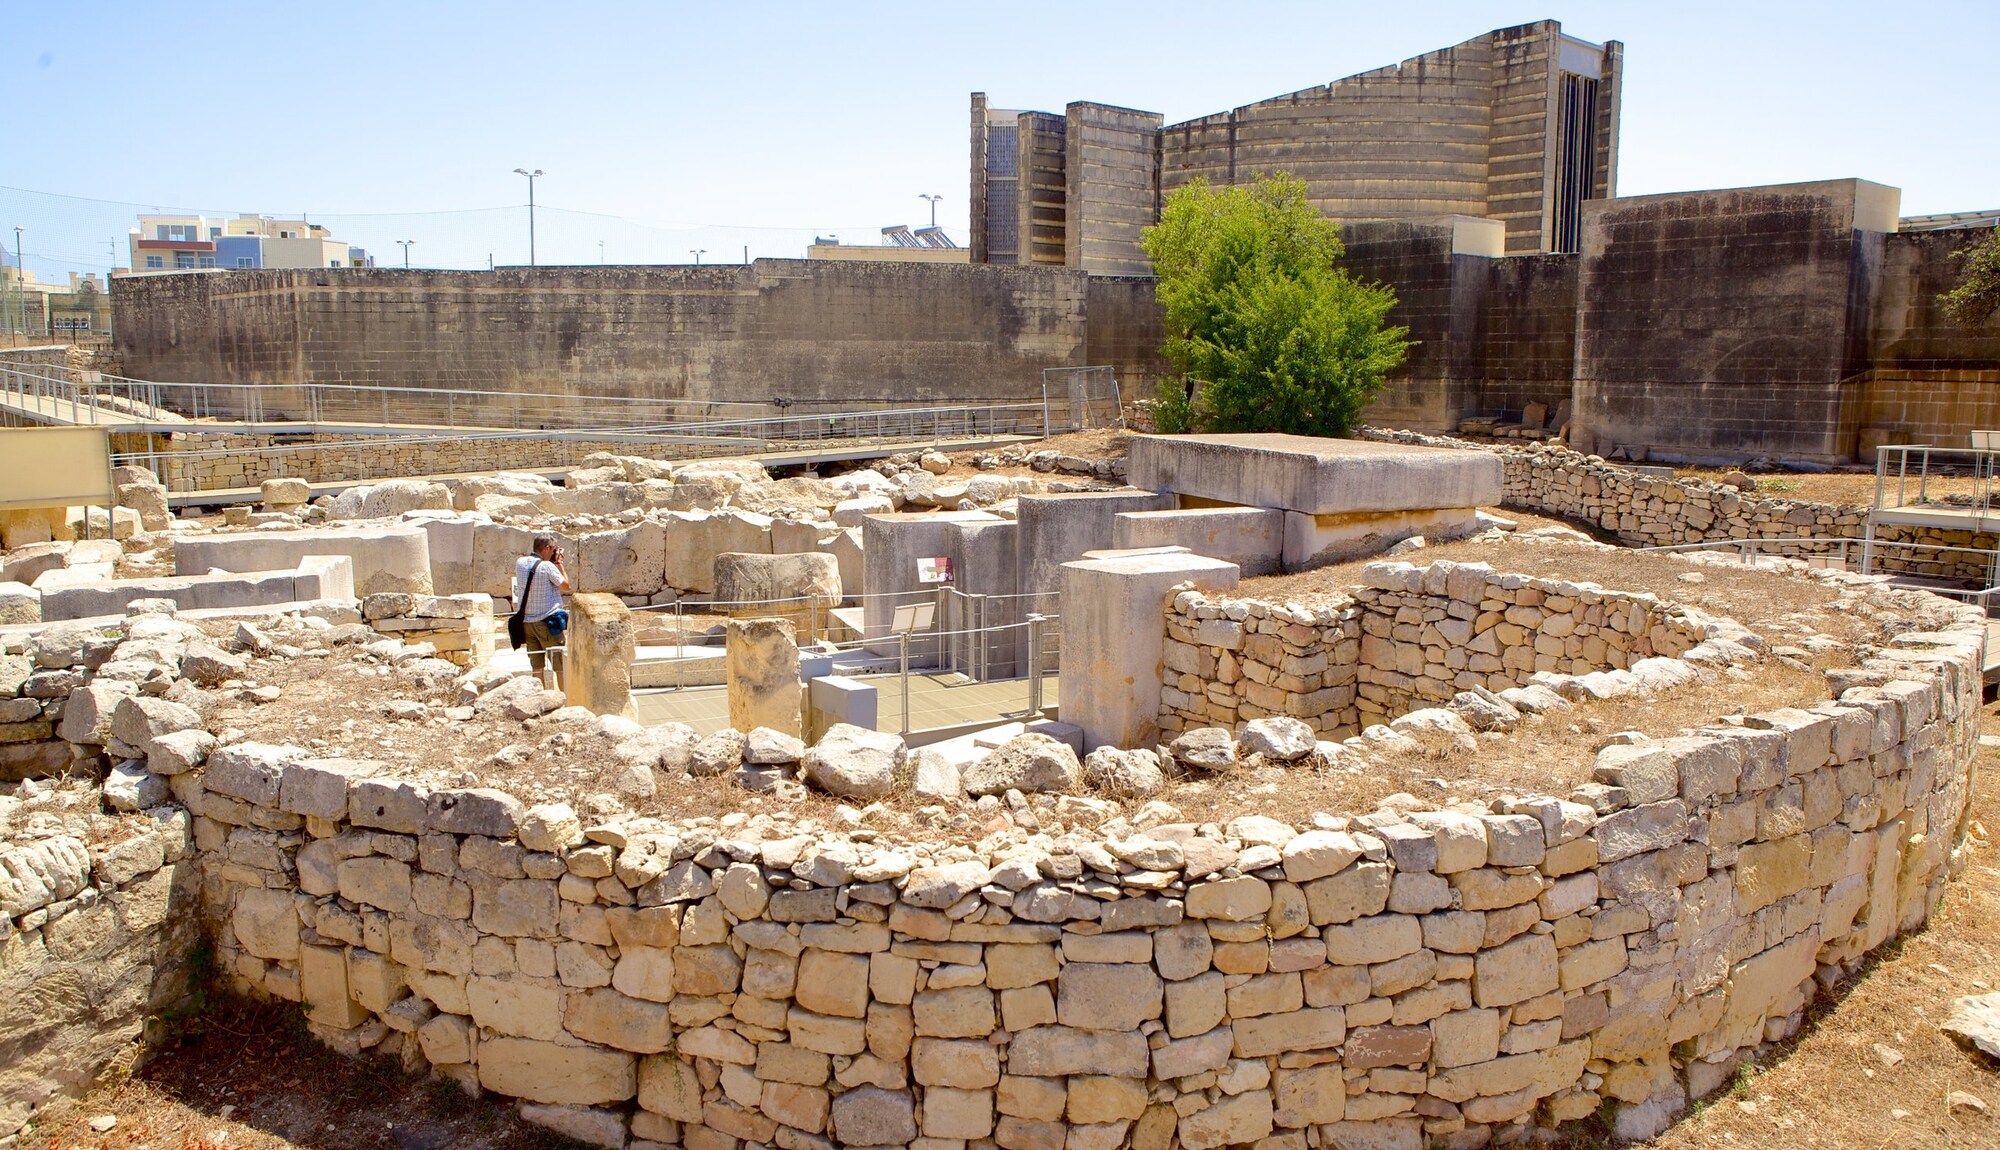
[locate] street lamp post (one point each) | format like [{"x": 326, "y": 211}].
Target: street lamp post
[
  {"x": 20, "y": 279},
  {"x": 600, "y": 253},
  {"x": 934, "y": 202},
  {"x": 698, "y": 253},
  {"x": 531, "y": 209},
  {"x": 406, "y": 251}
]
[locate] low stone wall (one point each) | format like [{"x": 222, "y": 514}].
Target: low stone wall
[
  {"x": 194, "y": 461},
  {"x": 1650, "y": 511},
  {"x": 458, "y": 628},
  {"x": 1409, "y": 638},
  {"x": 1079, "y": 975},
  {"x": 1381, "y": 981}
]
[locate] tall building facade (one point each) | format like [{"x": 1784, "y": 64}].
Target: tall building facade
[{"x": 1519, "y": 125}]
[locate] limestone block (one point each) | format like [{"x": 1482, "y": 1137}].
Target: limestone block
[
  {"x": 1114, "y": 641},
  {"x": 20, "y": 603},
  {"x": 1058, "y": 1051},
  {"x": 628, "y": 562},
  {"x": 1253, "y": 537},
  {"x": 872, "y": 1116},
  {"x": 1515, "y": 971},
  {"x": 285, "y": 494},
  {"x": 608, "y": 1018},
  {"x": 318, "y": 787},
  {"x": 180, "y": 752},
  {"x": 597, "y": 668},
  {"x": 266, "y": 923},
  {"x": 1246, "y": 1117},
  {"x": 1108, "y": 996},
  {"x": 323, "y": 988},
  {"x": 763, "y": 672},
  {"x": 766, "y": 584},
  {"x": 1030, "y": 763},
  {"x": 851, "y": 762},
  {"x": 564, "y": 1075},
  {"x": 588, "y": 1125},
  {"x": 695, "y": 538}
]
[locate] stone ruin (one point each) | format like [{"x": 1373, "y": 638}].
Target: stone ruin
[
  {"x": 1004, "y": 939},
  {"x": 1026, "y": 946}
]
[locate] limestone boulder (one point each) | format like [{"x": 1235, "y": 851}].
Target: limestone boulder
[
  {"x": 717, "y": 754},
  {"x": 523, "y": 487},
  {"x": 1277, "y": 737},
  {"x": 1974, "y": 1023},
  {"x": 1436, "y": 729},
  {"x": 1483, "y": 710},
  {"x": 20, "y": 603},
  {"x": 1124, "y": 774},
  {"x": 1028, "y": 763},
  {"x": 850, "y": 512},
  {"x": 1204, "y": 749},
  {"x": 284, "y": 494},
  {"x": 138, "y": 720},
  {"x": 208, "y": 665},
  {"x": 149, "y": 502},
  {"x": 391, "y": 498},
  {"x": 854, "y": 762}
]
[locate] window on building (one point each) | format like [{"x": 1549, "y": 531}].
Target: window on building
[
  {"x": 215, "y": 233},
  {"x": 155, "y": 262},
  {"x": 333, "y": 263},
  {"x": 159, "y": 231},
  {"x": 245, "y": 262},
  {"x": 208, "y": 261},
  {"x": 183, "y": 259}
]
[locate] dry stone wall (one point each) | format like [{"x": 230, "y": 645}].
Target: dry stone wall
[
  {"x": 1395, "y": 979},
  {"x": 1080, "y": 974},
  {"x": 1409, "y": 638},
  {"x": 1653, "y": 511}
]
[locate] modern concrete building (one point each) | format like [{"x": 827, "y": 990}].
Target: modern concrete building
[
  {"x": 1519, "y": 125},
  {"x": 193, "y": 243}
]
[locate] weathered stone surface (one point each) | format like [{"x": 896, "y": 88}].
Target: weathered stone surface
[
  {"x": 1028, "y": 763},
  {"x": 562, "y": 1075},
  {"x": 476, "y": 811},
  {"x": 1515, "y": 971},
  {"x": 853, "y": 762},
  {"x": 872, "y": 1116},
  {"x": 609, "y": 1018},
  {"x": 1107, "y": 996},
  {"x": 1974, "y": 1022}
]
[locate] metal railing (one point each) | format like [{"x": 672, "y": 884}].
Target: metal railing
[
  {"x": 1906, "y": 473},
  {"x": 90, "y": 397},
  {"x": 866, "y": 656}
]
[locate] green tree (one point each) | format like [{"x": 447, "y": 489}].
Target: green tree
[
  {"x": 1978, "y": 295},
  {"x": 1258, "y": 312}
]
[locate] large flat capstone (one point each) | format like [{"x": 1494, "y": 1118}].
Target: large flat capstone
[{"x": 1314, "y": 476}]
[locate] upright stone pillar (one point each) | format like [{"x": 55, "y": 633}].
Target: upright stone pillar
[
  {"x": 597, "y": 660},
  {"x": 763, "y": 666},
  {"x": 1114, "y": 635}
]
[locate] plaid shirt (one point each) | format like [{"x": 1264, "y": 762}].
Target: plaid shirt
[{"x": 543, "y": 598}]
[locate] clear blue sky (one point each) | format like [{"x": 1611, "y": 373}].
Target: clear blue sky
[{"x": 665, "y": 127}]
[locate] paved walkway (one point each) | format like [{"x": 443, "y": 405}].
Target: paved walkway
[{"x": 933, "y": 703}]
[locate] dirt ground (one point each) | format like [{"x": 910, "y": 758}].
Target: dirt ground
[{"x": 249, "y": 1077}]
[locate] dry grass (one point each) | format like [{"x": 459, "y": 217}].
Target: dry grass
[
  {"x": 1772, "y": 604},
  {"x": 1840, "y": 487}
]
